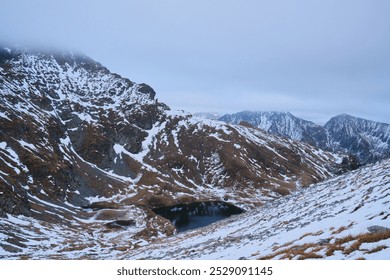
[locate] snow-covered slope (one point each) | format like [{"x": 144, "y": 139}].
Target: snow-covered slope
[
  {"x": 86, "y": 154},
  {"x": 61, "y": 115},
  {"x": 368, "y": 140},
  {"x": 347, "y": 217}
]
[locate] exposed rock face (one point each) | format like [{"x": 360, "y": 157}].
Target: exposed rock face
[
  {"x": 60, "y": 116},
  {"x": 73, "y": 135},
  {"x": 283, "y": 124},
  {"x": 369, "y": 141}
]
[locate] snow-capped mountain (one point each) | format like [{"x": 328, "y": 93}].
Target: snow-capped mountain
[
  {"x": 369, "y": 141},
  {"x": 86, "y": 155},
  {"x": 283, "y": 124}
]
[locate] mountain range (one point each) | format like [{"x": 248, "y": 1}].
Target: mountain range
[
  {"x": 87, "y": 156},
  {"x": 369, "y": 141}
]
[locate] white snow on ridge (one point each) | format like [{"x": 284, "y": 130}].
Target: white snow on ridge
[
  {"x": 12, "y": 156},
  {"x": 4, "y": 116},
  {"x": 27, "y": 145}
]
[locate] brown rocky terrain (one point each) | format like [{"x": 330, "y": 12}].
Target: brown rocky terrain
[{"x": 86, "y": 154}]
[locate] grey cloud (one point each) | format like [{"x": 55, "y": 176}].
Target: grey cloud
[{"x": 316, "y": 58}]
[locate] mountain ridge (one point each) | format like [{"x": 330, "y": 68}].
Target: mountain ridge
[
  {"x": 84, "y": 150},
  {"x": 368, "y": 140}
]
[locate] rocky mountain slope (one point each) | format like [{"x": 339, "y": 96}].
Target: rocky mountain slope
[
  {"x": 369, "y": 141},
  {"x": 283, "y": 124},
  {"x": 86, "y": 154},
  {"x": 346, "y": 217}
]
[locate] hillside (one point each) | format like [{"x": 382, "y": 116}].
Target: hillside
[
  {"x": 346, "y": 217},
  {"x": 86, "y": 155}
]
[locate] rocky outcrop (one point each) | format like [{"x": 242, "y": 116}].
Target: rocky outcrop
[
  {"x": 61, "y": 113},
  {"x": 377, "y": 229},
  {"x": 368, "y": 140}
]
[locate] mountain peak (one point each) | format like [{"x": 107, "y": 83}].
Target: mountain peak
[
  {"x": 367, "y": 140},
  {"x": 283, "y": 124},
  {"x": 344, "y": 117},
  {"x": 51, "y": 74}
]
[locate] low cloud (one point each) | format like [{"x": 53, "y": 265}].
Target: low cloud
[{"x": 313, "y": 58}]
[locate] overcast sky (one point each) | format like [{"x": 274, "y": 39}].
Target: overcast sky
[{"x": 313, "y": 58}]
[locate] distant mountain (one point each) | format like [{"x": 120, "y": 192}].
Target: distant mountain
[
  {"x": 369, "y": 141},
  {"x": 283, "y": 124},
  {"x": 207, "y": 115}
]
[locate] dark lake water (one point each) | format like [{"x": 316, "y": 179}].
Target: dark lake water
[{"x": 199, "y": 214}]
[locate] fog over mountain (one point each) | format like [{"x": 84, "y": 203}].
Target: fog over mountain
[
  {"x": 104, "y": 156},
  {"x": 314, "y": 59}
]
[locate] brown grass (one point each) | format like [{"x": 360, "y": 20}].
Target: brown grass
[
  {"x": 310, "y": 255},
  {"x": 339, "y": 245},
  {"x": 367, "y": 238},
  {"x": 311, "y": 234},
  {"x": 339, "y": 230},
  {"x": 377, "y": 249},
  {"x": 359, "y": 240},
  {"x": 346, "y": 245},
  {"x": 291, "y": 252},
  {"x": 354, "y": 247},
  {"x": 374, "y": 237},
  {"x": 283, "y": 245}
]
